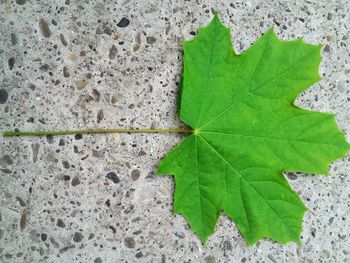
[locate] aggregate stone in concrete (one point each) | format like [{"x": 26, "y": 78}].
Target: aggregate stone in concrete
[{"x": 116, "y": 64}]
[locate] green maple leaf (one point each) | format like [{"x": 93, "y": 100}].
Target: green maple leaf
[{"x": 247, "y": 131}]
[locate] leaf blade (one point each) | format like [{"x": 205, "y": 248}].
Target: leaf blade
[{"x": 247, "y": 131}]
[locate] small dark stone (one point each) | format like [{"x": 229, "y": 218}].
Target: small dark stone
[
  {"x": 66, "y": 177},
  {"x": 14, "y": 39},
  {"x": 99, "y": 31},
  {"x": 137, "y": 232},
  {"x": 61, "y": 142},
  {"x": 75, "y": 149},
  {"x": 100, "y": 116},
  {"x": 21, "y": 201},
  {"x": 142, "y": 153},
  {"x": 8, "y": 159},
  {"x": 6, "y": 171},
  {"x": 32, "y": 86},
  {"x": 113, "y": 176},
  {"x": 129, "y": 242},
  {"x": 75, "y": 181},
  {"x": 66, "y": 248},
  {"x": 326, "y": 48},
  {"x": 11, "y": 63},
  {"x": 113, "y": 52},
  {"x": 43, "y": 237},
  {"x": 292, "y": 176},
  {"x": 78, "y": 136},
  {"x": 192, "y": 33},
  {"x": 150, "y": 40},
  {"x": 77, "y": 237},
  {"x": 124, "y": 22},
  {"x": 23, "y": 221},
  {"x": 113, "y": 229},
  {"x": 3, "y": 96},
  {"x": 60, "y": 223},
  {"x": 49, "y": 139},
  {"x": 44, "y": 67},
  {"x": 313, "y": 232},
  {"x": 108, "y": 203},
  {"x": 44, "y": 28},
  {"x": 139, "y": 255},
  {"x": 66, "y": 72},
  {"x": 180, "y": 234},
  {"x": 129, "y": 209},
  {"x": 98, "y": 260},
  {"x": 20, "y": 2},
  {"x": 135, "y": 174},
  {"x": 66, "y": 164},
  {"x": 63, "y": 40},
  {"x": 107, "y": 30},
  {"x": 276, "y": 22}
]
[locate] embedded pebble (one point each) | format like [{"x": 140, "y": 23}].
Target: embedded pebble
[
  {"x": 129, "y": 242},
  {"x": 78, "y": 136},
  {"x": 44, "y": 28},
  {"x": 21, "y": 2},
  {"x": 113, "y": 176},
  {"x": 135, "y": 174},
  {"x": 3, "y": 96},
  {"x": 60, "y": 223},
  {"x": 81, "y": 84},
  {"x": 23, "y": 221},
  {"x": 75, "y": 181},
  {"x": 72, "y": 57},
  {"x": 326, "y": 48},
  {"x": 292, "y": 176},
  {"x": 66, "y": 72},
  {"x": 11, "y": 63},
  {"x": 113, "y": 52},
  {"x": 63, "y": 40},
  {"x": 124, "y": 22},
  {"x": 150, "y": 40},
  {"x": 100, "y": 116},
  {"x": 14, "y": 39},
  {"x": 138, "y": 42},
  {"x": 35, "y": 149},
  {"x": 43, "y": 237},
  {"x": 77, "y": 237}
]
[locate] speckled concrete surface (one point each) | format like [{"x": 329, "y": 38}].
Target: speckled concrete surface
[{"x": 101, "y": 64}]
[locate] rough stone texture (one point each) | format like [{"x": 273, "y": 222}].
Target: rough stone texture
[{"x": 63, "y": 187}]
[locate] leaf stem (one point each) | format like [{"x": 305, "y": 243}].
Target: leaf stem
[{"x": 39, "y": 133}]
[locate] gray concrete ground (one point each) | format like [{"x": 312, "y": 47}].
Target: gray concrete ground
[{"x": 100, "y": 64}]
